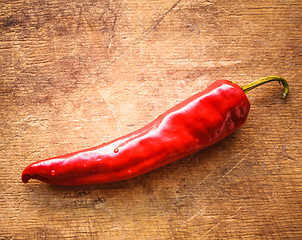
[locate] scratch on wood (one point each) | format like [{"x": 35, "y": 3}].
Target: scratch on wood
[
  {"x": 196, "y": 214},
  {"x": 235, "y": 166},
  {"x": 164, "y": 15},
  {"x": 142, "y": 35},
  {"x": 227, "y": 173},
  {"x": 110, "y": 108},
  {"x": 112, "y": 34},
  {"x": 230, "y": 217},
  {"x": 202, "y": 181}
]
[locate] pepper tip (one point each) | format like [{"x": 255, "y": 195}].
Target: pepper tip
[
  {"x": 26, "y": 175},
  {"x": 25, "y": 178}
]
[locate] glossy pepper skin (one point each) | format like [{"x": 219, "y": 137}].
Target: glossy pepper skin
[{"x": 193, "y": 124}]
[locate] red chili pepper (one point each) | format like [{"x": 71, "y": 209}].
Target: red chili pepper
[{"x": 196, "y": 123}]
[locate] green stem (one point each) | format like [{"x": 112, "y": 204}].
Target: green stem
[{"x": 246, "y": 88}]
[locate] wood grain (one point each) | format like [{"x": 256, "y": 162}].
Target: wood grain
[{"x": 79, "y": 73}]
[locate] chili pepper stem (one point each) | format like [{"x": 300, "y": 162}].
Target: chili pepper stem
[{"x": 246, "y": 88}]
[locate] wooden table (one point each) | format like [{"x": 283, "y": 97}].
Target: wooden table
[{"x": 75, "y": 74}]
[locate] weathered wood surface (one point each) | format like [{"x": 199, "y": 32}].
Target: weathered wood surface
[{"x": 75, "y": 74}]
